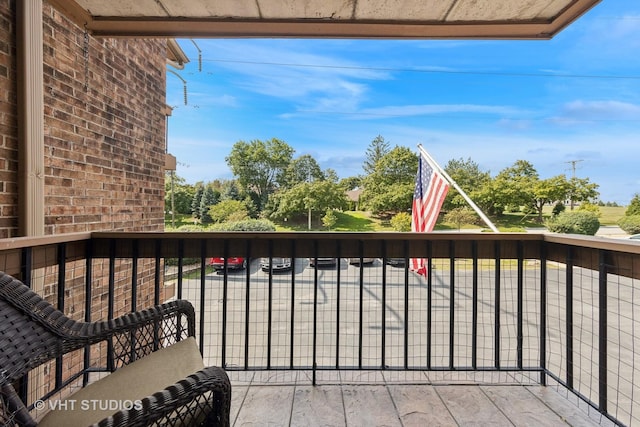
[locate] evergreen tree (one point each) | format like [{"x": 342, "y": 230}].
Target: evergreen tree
[
  {"x": 195, "y": 202},
  {"x": 209, "y": 198},
  {"x": 230, "y": 191},
  {"x": 376, "y": 151}
]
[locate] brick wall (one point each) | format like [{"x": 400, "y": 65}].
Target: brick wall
[
  {"x": 104, "y": 144},
  {"x": 104, "y": 130},
  {"x": 104, "y": 155},
  {"x": 8, "y": 122}
]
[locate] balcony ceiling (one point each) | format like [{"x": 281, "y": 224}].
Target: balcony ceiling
[{"x": 439, "y": 19}]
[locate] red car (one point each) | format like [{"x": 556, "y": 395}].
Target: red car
[{"x": 234, "y": 263}]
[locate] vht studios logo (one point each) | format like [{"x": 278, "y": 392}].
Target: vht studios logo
[{"x": 88, "y": 405}]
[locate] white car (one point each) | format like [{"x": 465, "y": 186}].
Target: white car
[{"x": 277, "y": 264}]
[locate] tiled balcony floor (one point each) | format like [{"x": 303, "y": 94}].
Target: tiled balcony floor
[{"x": 349, "y": 402}]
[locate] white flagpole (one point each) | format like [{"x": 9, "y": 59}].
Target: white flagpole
[{"x": 436, "y": 166}]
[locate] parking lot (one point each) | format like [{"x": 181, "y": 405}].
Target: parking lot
[
  {"x": 358, "y": 316},
  {"x": 383, "y": 317}
]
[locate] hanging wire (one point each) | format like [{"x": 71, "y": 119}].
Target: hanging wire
[
  {"x": 199, "y": 55},
  {"x": 85, "y": 53},
  {"x": 184, "y": 83}
]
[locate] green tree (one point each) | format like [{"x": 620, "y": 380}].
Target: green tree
[
  {"x": 377, "y": 149},
  {"x": 390, "y": 200},
  {"x": 547, "y": 191},
  {"x": 196, "y": 201},
  {"x": 331, "y": 175},
  {"x": 389, "y": 189},
  {"x": 260, "y": 166},
  {"x": 634, "y": 206},
  {"x": 303, "y": 169},
  {"x": 228, "y": 210},
  {"x": 514, "y": 186},
  {"x": 581, "y": 190},
  {"x": 230, "y": 190},
  {"x": 460, "y": 216},
  {"x": 329, "y": 219},
  {"x": 350, "y": 183},
  {"x": 469, "y": 177},
  {"x": 209, "y": 198},
  {"x": 177, "y": 193},
  {"x": 315, "y": 197}
]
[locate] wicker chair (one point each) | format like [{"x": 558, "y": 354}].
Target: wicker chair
[{"x": 150, "y": 348}]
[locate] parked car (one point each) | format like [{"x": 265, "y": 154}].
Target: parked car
[
  {"x": 396, "y": 262},
  {"x": 277, "y": 264},
  {"x": 364, "y": 260},
  {"x": 322, "y": 261},
  {"x": 233, "y": 263}
]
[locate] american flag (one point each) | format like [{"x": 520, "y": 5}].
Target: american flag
[{"x": 431, "y": 189}]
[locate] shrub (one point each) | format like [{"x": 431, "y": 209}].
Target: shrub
[
  {"x": 185, "y": 261},
  {"x": 329, "y": 219},
  {"x": 191, "y": 227},
  {"x": 630, "y": 224},
  {"x": 401, "y": 222},
  {"x": 245, "y": 225},
  {"x": 558, "y": 208},
  {"x": 228, "y": 210},
  {"x": 589, "y": 207},
  {"x": 634, "y": 206},
  {"x": 574, "y": 222}
]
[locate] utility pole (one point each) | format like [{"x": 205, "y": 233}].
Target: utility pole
[
  {"x": 573, "y": 175},
  {"x": 573, "y": 166},
  {"x": 309, "y": 181}
]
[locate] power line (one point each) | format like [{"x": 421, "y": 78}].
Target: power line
[
  {"x": 573, "y": 166},
  {"x": 418, "y": 70}
]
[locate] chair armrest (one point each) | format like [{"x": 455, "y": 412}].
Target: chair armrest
[
  {"x": 204, "y": 396},
  {"x": 130, "y": 336},
  {"x": 132, "y": 321},
  {"x": 92, "y": 332},
  {"x": 138, "y": 334}
]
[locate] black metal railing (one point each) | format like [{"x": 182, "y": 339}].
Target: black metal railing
[{"x": 537, "y": 308}]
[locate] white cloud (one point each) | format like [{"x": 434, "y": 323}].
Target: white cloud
[
  {"x": 517, "y": 125},
  {"x": 607, "y": 38},
  {"x": 430, "y": 109},
  {"x": 288, "y": 70},
  {"x": 579, "y": 111},
  {"x": 624, "y": 30}
]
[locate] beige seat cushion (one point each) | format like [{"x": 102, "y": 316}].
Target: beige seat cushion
[{"x": 133, "y": 382}]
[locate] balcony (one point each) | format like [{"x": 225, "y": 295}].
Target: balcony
[{"x": 504, "y": 328}]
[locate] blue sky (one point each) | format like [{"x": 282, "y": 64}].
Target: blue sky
[{"x": 573, "y": 98}]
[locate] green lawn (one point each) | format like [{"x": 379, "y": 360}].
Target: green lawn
[
  {"x": 364, "y": 221},
  {"x": 610, "y": 215},
  {"x": 347, "y": 221},
  {"x": 180, "y": 219}
]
